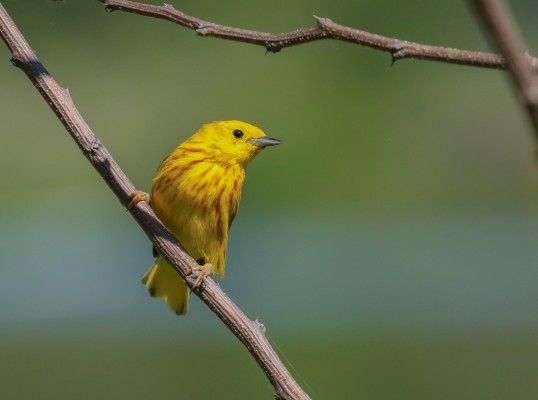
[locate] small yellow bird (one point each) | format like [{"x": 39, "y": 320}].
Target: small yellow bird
[{"x": 196, "y": 194}]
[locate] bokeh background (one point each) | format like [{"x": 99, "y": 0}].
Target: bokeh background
[{"x": 389, "y": 246}]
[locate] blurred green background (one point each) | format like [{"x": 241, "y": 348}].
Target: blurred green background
[{"x": 389, "y": 246}]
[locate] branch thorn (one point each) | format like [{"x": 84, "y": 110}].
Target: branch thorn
[
  {"x": 321, "y": 22},
  {"x": 259, "y": 326}
]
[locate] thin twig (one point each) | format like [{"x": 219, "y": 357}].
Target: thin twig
[
  {"x": 250, "y": 333},
  {"x": 506, "y": 37},
  {"x": 324, "y": 29}
]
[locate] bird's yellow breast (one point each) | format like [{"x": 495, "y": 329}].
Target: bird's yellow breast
[{"x": 197, "y": 199}]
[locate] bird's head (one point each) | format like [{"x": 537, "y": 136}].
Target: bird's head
[{"x": 232, "y": 142}]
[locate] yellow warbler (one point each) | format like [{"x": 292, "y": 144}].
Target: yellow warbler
[{"x": 196, "y": 194}]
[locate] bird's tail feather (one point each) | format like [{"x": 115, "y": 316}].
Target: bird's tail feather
[{"x": 163, "y": 281}]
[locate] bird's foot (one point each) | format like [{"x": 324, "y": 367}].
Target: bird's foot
[
  {"x": 136, "y": 197},
  {"x": 204, "y": 271}
]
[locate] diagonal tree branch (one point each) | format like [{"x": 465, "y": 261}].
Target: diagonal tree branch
[
  {"x": 325, "y": 29},
  {"x": 506, "y": 37},
  {"x": 250, "y": 333}
]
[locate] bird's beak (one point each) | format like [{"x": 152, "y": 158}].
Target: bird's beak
[{"x": 265, "y": 141}]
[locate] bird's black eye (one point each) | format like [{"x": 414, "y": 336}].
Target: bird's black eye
[{"x": 238, "y": 133}]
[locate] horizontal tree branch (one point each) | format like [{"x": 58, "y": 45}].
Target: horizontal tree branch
[
  {"x": 503, "y": 30},
  {"x": 250, "y": 333},
  {"x": 324, "y": 29}
]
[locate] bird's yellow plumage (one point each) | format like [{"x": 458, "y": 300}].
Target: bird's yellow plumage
[{"x": 196, "y": 194}]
